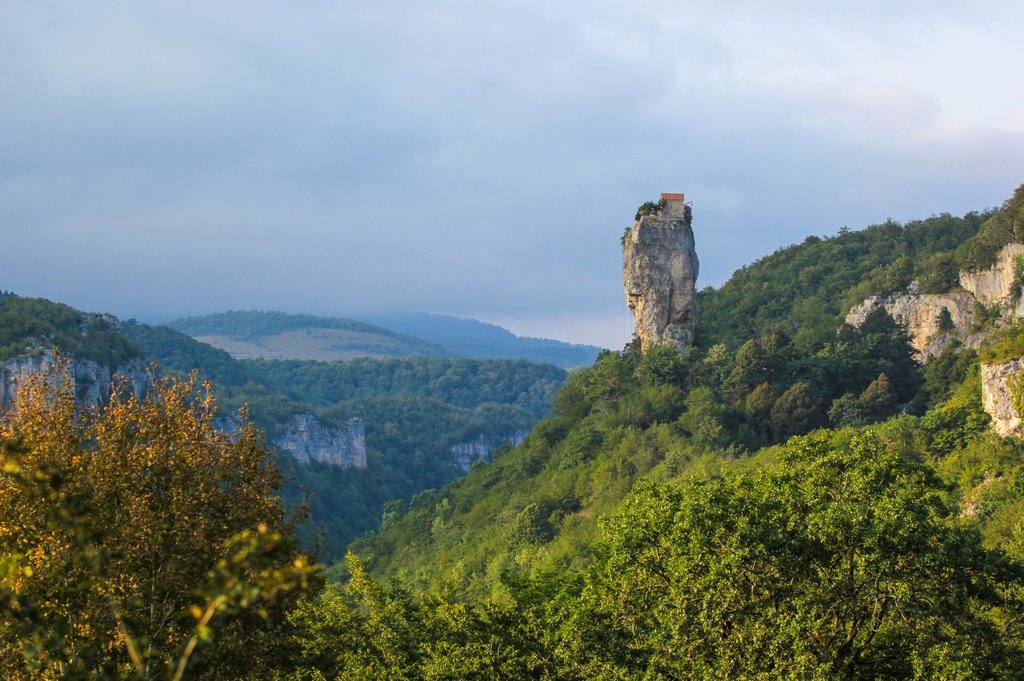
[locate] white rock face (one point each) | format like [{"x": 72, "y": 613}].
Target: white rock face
[
  {"x": 995, "y": 286},
  {"x": 308, "y": 440},
  {"x": 480, "y": 449},
  {"x": 920, "y": 315},
  {"x": 659, "y": 275},
  {"x": 93, "y": 382},
  {"x": 996, "y": 397},
  {"x": 919, "y": 312}
]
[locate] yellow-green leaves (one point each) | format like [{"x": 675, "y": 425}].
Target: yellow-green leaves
[{"x": 143, "y": 534}]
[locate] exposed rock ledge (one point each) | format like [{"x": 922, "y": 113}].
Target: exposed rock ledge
[
  {"x": 92, "y": 381},
  {"x": 995, "y": 286},
  {"x": 308, "y": 440},
  {"x": 996, "y": 397},
  {"x": 920, "y": 314},
  {"x": 480, "y": 449}
]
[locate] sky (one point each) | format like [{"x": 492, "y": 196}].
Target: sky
[{"x": 474, "y": 157}]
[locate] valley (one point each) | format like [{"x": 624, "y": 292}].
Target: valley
[{"x": 790, "y": 475}]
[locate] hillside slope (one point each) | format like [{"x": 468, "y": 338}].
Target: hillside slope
[
  {"x": 805, "y": 289},
  {"x": 278, "y": 335},
  {"x": 773, "y": 361},
  {"x": 472, "y": 338},
  {"x": 417, "y": 411}
]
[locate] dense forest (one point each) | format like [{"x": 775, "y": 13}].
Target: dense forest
[
  {"x": 789, "y": 498},
  {"x": 35, "y": 325},
  {"x": 414, "y": 410}
]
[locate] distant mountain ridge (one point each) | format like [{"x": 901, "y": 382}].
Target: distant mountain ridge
[
  {"x": 473, "y": 338},
  {"x": 280, "y": 335}
]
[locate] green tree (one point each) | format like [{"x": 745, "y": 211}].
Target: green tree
[
  {"x": 845, "y": 562},
  {"x": 944, "y": 323},
  {"x": 878, "y": 399},
  {"x": 369, "y": 631},
  {"x": 748, "y": 371},
  {"x": 704, "y": 418},
  {"x": 758, "y": 409},
  {"x": 846, "y": 411},
  {"x": 795, "y": 412}
]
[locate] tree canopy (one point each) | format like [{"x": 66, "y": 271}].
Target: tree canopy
[{"x": 134, "y": 536}]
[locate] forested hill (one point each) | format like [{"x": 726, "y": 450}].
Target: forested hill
[
  {"x": 791, "y": 497},
  {"x": 278, "y": 335},
  {"x": 33, "y": 324},
  {"x": 805, "y": 289},
  {"x": 415, "y": 410},
  {"x": 473, "y": 338}
]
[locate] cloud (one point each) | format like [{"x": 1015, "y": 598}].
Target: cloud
[{"x": 473, "y": 158}]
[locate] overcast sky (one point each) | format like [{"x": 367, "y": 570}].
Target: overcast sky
[{"x": 477, "y": 158}]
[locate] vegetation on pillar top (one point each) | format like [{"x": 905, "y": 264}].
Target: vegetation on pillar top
[{"x": 651, "y": 208}]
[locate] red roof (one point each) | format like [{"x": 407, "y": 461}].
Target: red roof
[{"x": 672, "y": 197}]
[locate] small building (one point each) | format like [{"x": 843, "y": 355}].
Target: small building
[{"x": 665, "y": 196}]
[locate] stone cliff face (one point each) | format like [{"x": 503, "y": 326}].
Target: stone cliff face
[
  {"x": 480, "y": 449},
  {"x": 921, "y": 314},
  {"x": 995, "y": 286},
  {"x": 659, "y": 275},
  {"x": 992, "y": 288},
  {"x": 308, "y": 440},
  {"x": 996, "y": 397},
  {"x": 93, "y": 381}
]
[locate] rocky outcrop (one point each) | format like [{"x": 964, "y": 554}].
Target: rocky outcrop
[
  {"x": 995, "y": 286},
  {"x": 309, "y": 440},
  {"x": 920, "y": 314},
  {"x": 480, "y": 449},
  {"x": 659, "y": 274},
  {"x": 997, "y": 398},
  {"x": 93, "y": 382}
]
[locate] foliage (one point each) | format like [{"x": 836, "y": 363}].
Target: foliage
[
  {"x": 1004, "y": 345},
  {"x": 681, "y": 514},
  {"x": 414, "y": 409},
  {"x": 1004, "y": 226},
  {"x": 844, "y": 561},
  {"x": 629, "y": 414},
  {"x": 464, "y": 383},
  {"x": 180, "y": 354},
  {"x": 887, "y": 548},
  {"x": 366, "y": 630},
  {"x": 650, "y": 208},
  {"x": 808, "y": 286},
  {"x": 1017, "y": 286},
  {"x": 35, "y": 324},
  {"x": 1016, "y": 386},
  {"x": 133, "y": 532},
  {"x": 944, "y": 323},
  {"x": 938, "y": 273}
]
